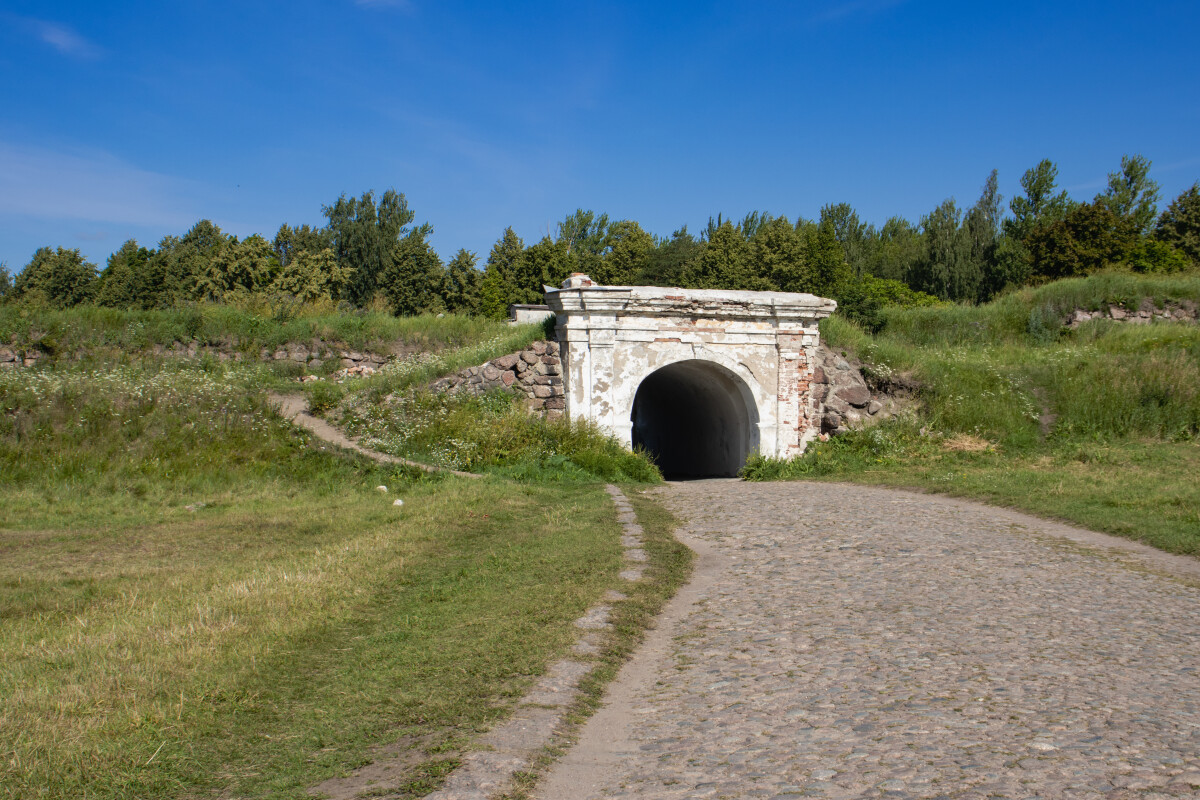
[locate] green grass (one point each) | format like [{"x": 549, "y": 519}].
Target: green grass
[
  {"x": 1098, "y": 425},
  {"x": 392, "y": 413},
  {"x": 1023, "y": 315},
  {"x": 198, "y": 599},
  {"x": 114, "y": 332},
  {"x": 490, "y": 432}
]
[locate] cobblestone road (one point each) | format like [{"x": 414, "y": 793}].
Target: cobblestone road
[{"x": 850, "y": 642}]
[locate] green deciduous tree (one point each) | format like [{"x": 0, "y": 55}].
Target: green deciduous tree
[
  {"x": 59, "y": 277},
  {"x": 826, "y": 260},
  {"x": 852, "y": 234},
  {"x": 1179, "y": 225},
  {"x": 174, "y": 271},
  {"x": 1041, "y": 205},
  {"x": 241, "y": 268},
  {"x": 289, "y": 241},
  {"x": 312, "y": 276},
  {"x": 895, "y": 250},
  {"x": 546, "y": 263},
  {"x": 118, "y": 284},
  {"x": 779, "y": 254},
  {"x": 584, "y": 232},
  {"x": 1089, "y": 238},
  {"x": 1131, "y": 194},
  {"x": 671, "y": 260},
  {"x": 1151, "y": 255},
  {"x": 725, "y": 262},
  {"x": 1011, "y": 266},
  {"x": 365, "y": 237},
  {"x": 945, "y": 269},
  {"x": 628, "y": 256},
  {"x": 981, "y": 227},
  {"x": 864, "y": 299},
  {"x": 752, "y": 223}
]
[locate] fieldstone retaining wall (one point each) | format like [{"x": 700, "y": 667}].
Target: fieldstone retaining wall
[
  {"x": 312, "y": 355},
  {"x": 1181, "y": 311},
  {"x": 845, "y": 399},
  {"x": 535, "y": 372},
  {"x": 19, "y": 357}
]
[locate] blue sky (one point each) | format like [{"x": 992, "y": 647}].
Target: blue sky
[{"x": 135, "y": 119}]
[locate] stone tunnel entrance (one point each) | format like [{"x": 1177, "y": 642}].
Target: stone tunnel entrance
[
  {"x": 701, "y": 378},
  {"x": 695, "y": 418}
]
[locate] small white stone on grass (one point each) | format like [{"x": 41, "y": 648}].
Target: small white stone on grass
[
  {"x": 381, "y": 489},
  {"x": 397, "y": 502}
]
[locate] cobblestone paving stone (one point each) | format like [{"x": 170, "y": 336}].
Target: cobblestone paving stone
[{"x": 863, "y": 643}]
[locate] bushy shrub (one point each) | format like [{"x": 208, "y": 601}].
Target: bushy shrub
[
  {"x": 1045, "y": 323},
  {"x": 324, "y": 395},
  {"x": 863, "y": 300},
  {"x": 1151, "y": 255}
]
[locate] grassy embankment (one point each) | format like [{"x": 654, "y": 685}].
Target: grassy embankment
[
  {"x": 118, "y": 333},
  {"x": 196, "y": 598},
  {"x": 1099, "y": 425}
]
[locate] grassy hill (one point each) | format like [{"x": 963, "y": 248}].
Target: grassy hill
[
  {"x": 197, "y": 598},
  {"x": 1097, "y": 424},
  {"x": 117, "y": 332}
]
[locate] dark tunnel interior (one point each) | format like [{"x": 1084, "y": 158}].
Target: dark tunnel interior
[{"x": 693, "y": 419}]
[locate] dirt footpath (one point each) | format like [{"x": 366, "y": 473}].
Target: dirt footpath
[{"x": 847, "y": 642}]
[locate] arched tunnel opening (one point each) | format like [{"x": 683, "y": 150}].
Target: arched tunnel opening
[{"x": 695, "y": 420}]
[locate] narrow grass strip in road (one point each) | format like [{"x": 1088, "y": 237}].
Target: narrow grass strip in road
[{"x": 667, "y": 567}]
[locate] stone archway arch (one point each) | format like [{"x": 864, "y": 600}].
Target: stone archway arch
[{"x": 611, "y": 338}]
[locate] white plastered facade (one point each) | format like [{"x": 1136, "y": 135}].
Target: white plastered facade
[{"x": 612, "y": 337}]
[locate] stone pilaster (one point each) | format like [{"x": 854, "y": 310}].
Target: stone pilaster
[{"x": 795, "y": 375}]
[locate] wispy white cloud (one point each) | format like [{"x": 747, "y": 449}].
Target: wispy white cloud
[
  {"x": 63, "y": 39},
  {"x": 90, "y": 185},
  {"x": 837, "y": 11}
]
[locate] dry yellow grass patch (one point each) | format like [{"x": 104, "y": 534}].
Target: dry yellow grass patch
[{"x": 966, "y": 443}]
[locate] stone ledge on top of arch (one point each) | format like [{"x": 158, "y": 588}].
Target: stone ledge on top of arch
[{"x": 586, "y": 296}]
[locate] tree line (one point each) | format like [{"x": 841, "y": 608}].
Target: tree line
[{"x": 370, "y": 254}]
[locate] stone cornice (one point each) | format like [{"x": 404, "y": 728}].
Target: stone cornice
[{"x": 655, "y": 301}]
